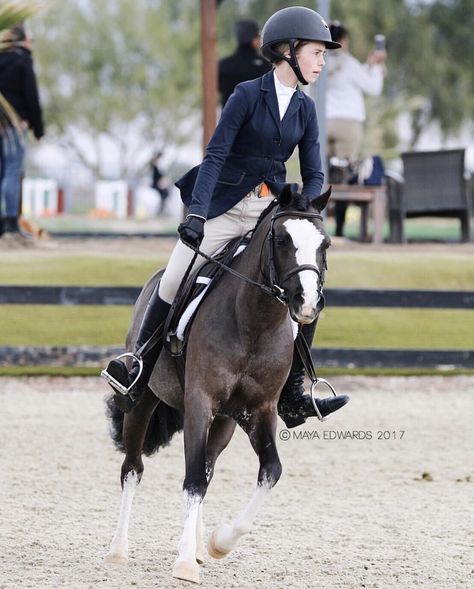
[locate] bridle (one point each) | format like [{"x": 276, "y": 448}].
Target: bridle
[
  {"x": 274, "y": 290},
  {"x": 276, "y": 281}
]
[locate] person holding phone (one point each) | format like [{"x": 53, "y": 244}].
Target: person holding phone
[{"x": 348, "y": 82}]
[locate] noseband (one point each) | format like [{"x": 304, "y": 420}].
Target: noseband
[{"x": 275, "y": 280}]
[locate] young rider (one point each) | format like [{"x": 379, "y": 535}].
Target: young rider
[{"x": 262, "y": 123}]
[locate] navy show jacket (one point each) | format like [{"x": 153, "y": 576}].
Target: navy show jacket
[{"x": 251, "y": 145}]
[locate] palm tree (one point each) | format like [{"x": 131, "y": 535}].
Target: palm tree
[{"x": 12, "y": 13}]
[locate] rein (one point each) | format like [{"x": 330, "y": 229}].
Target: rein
[
  {"x": 274, "y": 290},
  {"x": 277, "y": 293}
]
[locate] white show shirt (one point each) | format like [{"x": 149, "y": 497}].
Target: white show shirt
[{"x": 284, "y": 94}]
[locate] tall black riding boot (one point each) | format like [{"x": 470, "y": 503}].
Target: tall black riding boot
[
  {"x": 1, "y": 226},
  {"x": 295, "y": 406},
  {"x": 155, "y": 314}
]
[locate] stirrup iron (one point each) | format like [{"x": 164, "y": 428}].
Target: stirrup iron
[
  {"x": 115, "y": 384},
  {"x": 314, "y": 384}
]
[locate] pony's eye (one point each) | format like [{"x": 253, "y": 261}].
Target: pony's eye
[{"x": 283, "y": 240}]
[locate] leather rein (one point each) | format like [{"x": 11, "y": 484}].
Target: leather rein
[{"x": 274, "y": 290}]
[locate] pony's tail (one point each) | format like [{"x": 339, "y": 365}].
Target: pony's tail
[{"x": 164, "y": 423}]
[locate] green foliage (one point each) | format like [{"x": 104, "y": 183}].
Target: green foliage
[
  {"x": 430, "y": 65},
  {"x": 126, "y": 68},
  {"x": 12, "y": 13},
  {"x": 119, "y": 69}
]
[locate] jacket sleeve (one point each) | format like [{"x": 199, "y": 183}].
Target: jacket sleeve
[
  {"x": 232, "y": 118},
  {"x": 30, "y": 89},
  {"x": 310, "y": 157}
]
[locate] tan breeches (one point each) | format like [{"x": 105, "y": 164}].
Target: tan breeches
[
  {"x": 344, "y": 138},
  {"x": 217, "y": 232}
]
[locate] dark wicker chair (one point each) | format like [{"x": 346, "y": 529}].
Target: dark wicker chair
[{"x": 434, "y": 185}]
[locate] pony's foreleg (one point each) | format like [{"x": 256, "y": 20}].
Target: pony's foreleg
[
  {"x": 134, "y": 430},
  {"x": 261, "y": 431},
  {"x": 220, "y": 433},
  {"x": 200, "y": 546},
  {"x": 196, "y": 426}
]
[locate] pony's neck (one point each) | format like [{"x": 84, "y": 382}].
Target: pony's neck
[{"x": 261, "y": 306}]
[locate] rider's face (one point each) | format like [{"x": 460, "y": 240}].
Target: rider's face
[{"x": 311, "y": 60}]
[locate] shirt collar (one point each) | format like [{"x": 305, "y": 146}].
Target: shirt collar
[{"x": 281, "y": 89}]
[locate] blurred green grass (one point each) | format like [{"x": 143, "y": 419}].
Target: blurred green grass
[
  {"x": 437, "y": 267},
  {"x": 40, "y": 325},
  {"x": 81, "y": 270},
  {"x": 388, "y": 268}
]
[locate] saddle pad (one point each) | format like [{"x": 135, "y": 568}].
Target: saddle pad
[{"x": 192, "y": 294}]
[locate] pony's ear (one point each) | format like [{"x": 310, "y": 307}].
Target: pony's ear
[
  {"x": 286, "y": 196},
  {"x": 321, "y": 201}
]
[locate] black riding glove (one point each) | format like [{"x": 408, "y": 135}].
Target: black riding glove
[{"x": 191, "y": 231}]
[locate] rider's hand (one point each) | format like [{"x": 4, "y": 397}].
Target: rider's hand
[{"x": 191, "y": 231}]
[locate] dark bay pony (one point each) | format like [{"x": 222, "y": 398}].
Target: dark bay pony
[{"x": 238, "y": 357}]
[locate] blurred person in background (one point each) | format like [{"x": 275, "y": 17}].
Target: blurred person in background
[
  {"x": 347, "y": 82},
  {"x": 159, "y": 181},
  {"x": 246, "y": 63},
  {"x": 19, "y": 88}
]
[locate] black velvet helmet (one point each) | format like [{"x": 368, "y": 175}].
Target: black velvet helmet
[{"x": 290, "y": 25}]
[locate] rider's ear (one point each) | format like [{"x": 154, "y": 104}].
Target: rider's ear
[
  {"x": 286, "y": 196},
  {"x": 321, "y": 201}
]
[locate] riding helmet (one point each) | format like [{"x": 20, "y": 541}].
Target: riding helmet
[{"x": 290, "y": 25}]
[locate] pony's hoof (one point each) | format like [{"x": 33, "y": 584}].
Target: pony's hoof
[
  {"x": 212, "y": 548},
  {"x": 186, "y": 571},
  {"x": 116, "y": 559},
  {"x": 200, "y": 552}
]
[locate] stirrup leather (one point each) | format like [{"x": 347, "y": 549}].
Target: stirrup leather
[{"x": 115, "y": 384}]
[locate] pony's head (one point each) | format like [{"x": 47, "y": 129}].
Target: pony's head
[{"x": 299, "y": 243}]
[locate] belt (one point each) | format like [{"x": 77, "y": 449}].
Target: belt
[{"x": 260, "y": 191}]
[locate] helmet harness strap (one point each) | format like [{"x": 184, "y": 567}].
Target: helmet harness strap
[{"x": 292, "y": 60}]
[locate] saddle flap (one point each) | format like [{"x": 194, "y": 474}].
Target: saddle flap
[{"x": 191, "y": 295}]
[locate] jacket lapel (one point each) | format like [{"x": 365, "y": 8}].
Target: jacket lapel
[
  {"x": 269, "y": 93},
  {"x": 293, "y": 107}
]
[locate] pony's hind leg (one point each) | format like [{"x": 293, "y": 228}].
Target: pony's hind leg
[
  {"x": 118, "y": 551},
  {"x": 134, "y": 430},
  {"x": 261, "y": 431}
]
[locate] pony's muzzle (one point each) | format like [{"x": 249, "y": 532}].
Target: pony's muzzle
[{"x": 305, "y": 315}]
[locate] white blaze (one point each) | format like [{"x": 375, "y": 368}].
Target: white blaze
[{"x": 306, "y": 240}]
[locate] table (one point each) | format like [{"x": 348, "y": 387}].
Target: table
[{"x": 363, "y": 196}]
